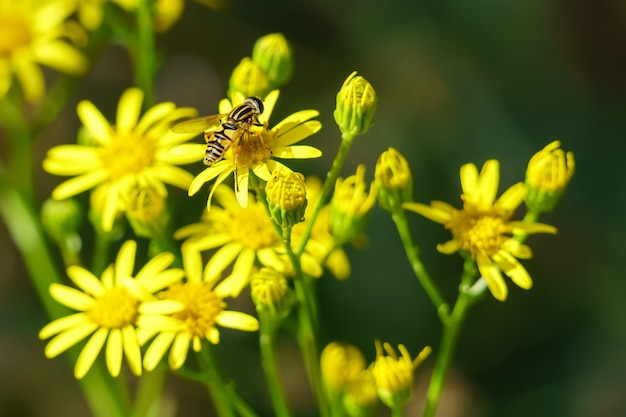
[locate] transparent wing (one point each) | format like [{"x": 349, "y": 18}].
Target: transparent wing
[{"x": 200, "y": 124}]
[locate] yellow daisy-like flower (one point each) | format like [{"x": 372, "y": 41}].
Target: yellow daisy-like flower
[
  {"x": 167, "y": 12},
  {"x": 108, "y": 310},
  {"x": 32, "y": 33},
  {"x": 201, "y": 308},
  {"x": 136, "y": 151},
  {"x": 484, "y": 229},
  {"x": 264, "y": 144}
]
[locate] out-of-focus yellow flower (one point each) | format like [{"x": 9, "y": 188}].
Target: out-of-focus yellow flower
[
  {"x": 356, "y": 104},
  {"x": 273, "y": 54},
  {"x": 393, "y": 179},
  {"x": 265, "y": 144},
  {"x": 394, "y": 374},
  {"x": 135, "y": 151},
  {"x": 360, "y": 394},
  {"x": 32, "y": 33},
  {"x": 108, "y": 308},
  {"x": 483, "y": 227},
  {"x": 286, "y": 197},
  {"x": 350, "y": 206},
  {"x": 340, "y": 363},
  {"x": 549, "y": 172},
  {"x": 197, "y": 310},
  {"x": 166, "y": 12},
  {"x": 146, "y": 211},
  {"x": 270, "y": 292}
]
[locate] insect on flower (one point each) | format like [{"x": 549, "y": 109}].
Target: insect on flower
[{"x": 232, "y": 129}]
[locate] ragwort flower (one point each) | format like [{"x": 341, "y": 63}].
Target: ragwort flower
[
  {"x": 136, "y": 151},
  {"x": 264, "y": 144},
  {"x": 32, "y": 33},
  {"x": 108, "y": 310},
  {"x": 201, "y": 308},
  {"x": 483, "y": 227}
]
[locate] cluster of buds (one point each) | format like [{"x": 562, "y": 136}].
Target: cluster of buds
[{"x": 269, "y": 68}]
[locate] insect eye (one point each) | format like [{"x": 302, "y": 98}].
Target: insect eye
[{"x": 255, "y": 102}]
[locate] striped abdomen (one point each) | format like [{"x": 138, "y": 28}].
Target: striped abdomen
[{"x": 220, "y": 141}]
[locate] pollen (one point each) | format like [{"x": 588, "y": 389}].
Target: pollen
[
  {"x": 479, "y": 232},
  {"x": 202, "y": 306},
  {"x": 127, "y": 154},
  {"x": 115, "y": 309},
  {"x": 253, "y": 228},
  {"x": 14, "y": 34}
]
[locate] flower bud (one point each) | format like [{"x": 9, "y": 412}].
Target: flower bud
[
  {"x": 394, "y": 374},
  {"x": 249, "y": 79},
  {"x": 340, "y": 363},
  {"x": 146, "y": 211},
  {"x": 547, "y": 176},
  {"x": 61, "y": 219},
  {"x": 273, "y": 54},
  {"x": 360, "y": 395},
  {"x": 350, "y": 206},
  {"x": 286, "y": 197},
  {"x": 356, "y": 104},
  {"x": 393, "y": 179},
  {"x": 270, "y": 292}
]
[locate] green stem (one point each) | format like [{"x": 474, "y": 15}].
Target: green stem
[
  {"x": 227, "y": 402},
  {"x": 149, "y": 393},
  {"x": 451, "y": 330},
  {"x": 412, "y": 253},
  {"x": 331, "y": 179},
  {"x": 270, "y": 368},
  {"x": 396, "y": 411},
  {"x": 145, "y": 52}
]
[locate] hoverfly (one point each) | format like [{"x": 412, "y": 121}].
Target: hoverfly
[{"x": 230, "y": 128}]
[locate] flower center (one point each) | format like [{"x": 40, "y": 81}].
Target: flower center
[
  {"x": 127, "y": 154},
  {"x": 115, "y": 309},
  {"x": 252, "y": 227},
  {"x": 14, "y": 34},
  {"x": 479, "y": 231},
  {"x": 256, "y": 149},
  {"x": 202, "y": 306}
]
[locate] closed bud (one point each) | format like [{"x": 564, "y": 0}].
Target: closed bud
[
  {"x": 286, "y": 197},
  {"x": 350, "y": 206},
  {"x": 61, "y": 219},
  {"x": 393, "y": 179},
  {"x": 249, "y": 79},
  {"x": 273, "y": 54},
  {"x": 360, "y": 395},
  {"x": 340, "y": 363},
  {"x": 547, "y": 176},
  {"x": 270, "y": 293},
  {"x": 146, "y": 211},
  {"x": 356, "y": 104}
]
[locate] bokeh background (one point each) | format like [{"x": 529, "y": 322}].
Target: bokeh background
[{"x": 457, "y": 82}]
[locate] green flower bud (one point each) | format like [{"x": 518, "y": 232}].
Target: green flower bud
[
  {"x": 286, "y": 197},
  {"x": 249, "y": 79},
  {"x": 350, "y": 206},
  {"x": 273, "y": 54},
  {"x": 61, "y": 219},
  {"x": 547, "y": 176},
  {"x": 393, "y": 179},
  {"x": 340, "y": 363},
  {"x": 356, "y": 104}
]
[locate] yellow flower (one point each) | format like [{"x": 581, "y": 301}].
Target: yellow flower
[
  {"x": 108, "y": 310},
  {"x": 31, "y": 34},
  {"x": 243, "y": 235},
  {"x": 483, "y": 227},
  {"x": 166, "y": 12},
  {"x": 201, "y": 308},
  {"x": 394, "y": 374},
  {"x": 264, "y": 144},
  {"x": 549, "y": 172},
  {"x": 136, "y": 151},
  {"x": 322, "y": 249}
]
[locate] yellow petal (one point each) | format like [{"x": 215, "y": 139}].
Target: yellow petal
[
  {"x": 449, "y": 247},
  {"x": 178, "y": 352},
  {"x": 296, "y": 152},
  {"x": 492, "y": 276},
  {"x": 512, "y": 197},
  {"x": 488, "y": 183},
  {"x": 432, "y": 213},
  {"x": 114, "y": 352},
  {"x": 71, "y": 297},
  {"x": 61, "y": 56},
  {"x": 90, "y": 352},
  {"x": 513, "y": 269},
  {"x": 79, "y": 184},
  {"x": 125, "y": 262},
  {"x": 294, "y": 120},
  {"x": 237, "y": 320},
  {"x": 95, "y": 122},
  {"x": 131, "y": 349},
  {"x": 221, "y": 260},
  {"x": 233, "y": 284},
  {"x": 157, "y": 350},
  {"x": 298, "y": 133},
  {"x": 69, "y": 338},
  {"x": 128, "y": 110},
  {"x": 63, "y": 323}
]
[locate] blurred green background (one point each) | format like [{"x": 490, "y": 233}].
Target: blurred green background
[{"x": 457, "y": 82}]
